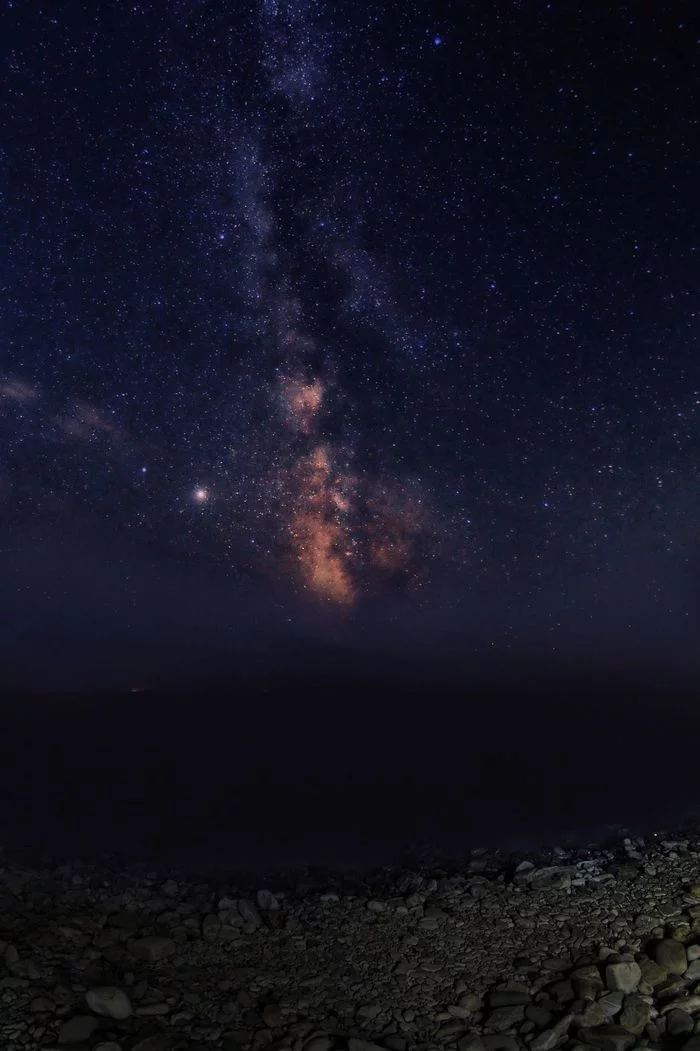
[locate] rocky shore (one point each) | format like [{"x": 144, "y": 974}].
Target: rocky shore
[{"x": 573, "y": 949}]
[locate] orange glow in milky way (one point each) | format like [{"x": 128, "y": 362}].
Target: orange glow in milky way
[
  {"x": 302, "y": 400},
  {"x": 325, "y": 546},
  {"x": 319, "y": 536}
]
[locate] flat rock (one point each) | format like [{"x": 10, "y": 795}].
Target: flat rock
[
  {"x": 505, "y": 1017},
  {"x": 689, "y": 1004}
]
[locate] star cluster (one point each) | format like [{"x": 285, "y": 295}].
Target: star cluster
[{"x": 360, "y": 299}]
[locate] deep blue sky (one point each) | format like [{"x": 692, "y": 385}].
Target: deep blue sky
[{"x": 356, "y": 324}]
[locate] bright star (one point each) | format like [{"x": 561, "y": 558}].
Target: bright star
[{"x": 201, "y": 495}]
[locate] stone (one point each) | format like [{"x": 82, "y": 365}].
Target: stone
[
  {"x": 459, "y": 1012},
  {"x": 624, "y": 976},
  {"x": 585, "y": 989},
  {"x": 652, "y": 972},
  {"x": 42, "y": 1005},
  {"x": 501, "y": 1042},
  {"x": 320, "y": 1043},
  {"x": 151, "y": 1010},
  {"x": 627, "y": 871},
  {"x": 155, "y": 1042},
  {"x": 692, "y": 973},
  {"x": 611, "y": 1002},
  {"x": 556, "y": 964},
  {"x": 593, "y": 1015},
  {"x": 78, "y": 1030},
  {"x": 669, "y": 988},
  {"x": 549, "y": 1039},
  {"x": 586, "y": 982},
  {"x": 608, "y": 1038},
  {"x": 670, "y": 954},
  {"x": 538, "y": 1015},
  {"x": 211, "y": 927},
  {"x": 636, "y": 1012},
  {"x": 152, "y": 948},
  {"x": 679, "y": 1023},
  {"x": 554, "y": 877},
  {"x": 505, "y": 1017},
  {"x": 562, "y": 992},
  {"x": 452, "y": 1029},
  {"x": 689, "y": 1004},
  {"x": 368, "y": 1012},
  {"x": 471, "y": 1042},
  {"x": 272, "y": 1016},
  {"x": 472, "y": 1001},
  {"x": 250, "y": 913},
  {"x": 109, "y": 1001},
  {"x": 266, "y": 901},
  {"x": 508, "y": 998}
]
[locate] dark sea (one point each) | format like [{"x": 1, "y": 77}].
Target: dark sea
[{"x": 340, "y": 778}]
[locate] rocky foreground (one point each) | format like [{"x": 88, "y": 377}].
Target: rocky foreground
[{"x": 575, "y": 949}]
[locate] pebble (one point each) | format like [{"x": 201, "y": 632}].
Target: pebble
[
  {"x": 623, "y": 977},
  {"x": 77, "y": 1030},
  {"x": 678, "y": 1023},
  {"x": 320, "y": 1043},
  {"x": 636, "y": 1012},
  {"x": 153, "y": 948},
  {"x": 671, "y": 954},
  {"x": 558, "y": 962},
  {"x": 505, "y": 1017},
  {"x": 109, "y": 1001}
]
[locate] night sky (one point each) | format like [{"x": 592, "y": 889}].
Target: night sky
[{"x": 348, "y": 335}]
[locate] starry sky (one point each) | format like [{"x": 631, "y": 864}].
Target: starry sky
[{"x": 352, "y": 328}]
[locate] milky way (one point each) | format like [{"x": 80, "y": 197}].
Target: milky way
[{"x": 362, "y": 301}]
